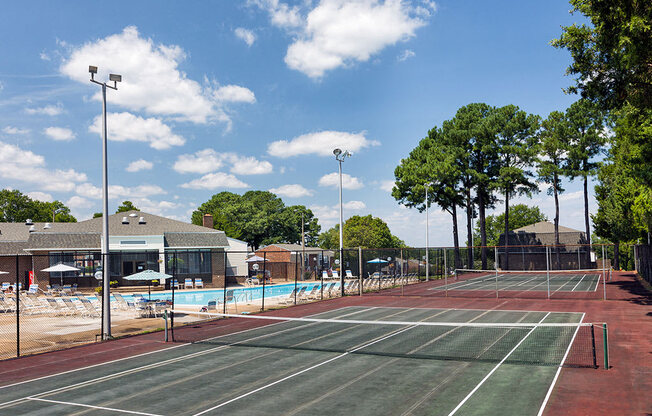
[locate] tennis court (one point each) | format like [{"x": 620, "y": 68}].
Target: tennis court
[
  {"x": 351, "y": 360},
  {"x": 525, "y": 281}
]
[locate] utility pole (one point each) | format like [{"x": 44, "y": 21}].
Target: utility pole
[{"x": 303, "y": 248}]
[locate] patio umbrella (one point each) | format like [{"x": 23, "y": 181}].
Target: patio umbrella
[
  {"x": 380, "y": 262},
  {"x": 254, "y": 259},
  {"x": 1, "y": 272},
  {"x": 148, "y": 275},
  {"x": 60, "y": 268}
]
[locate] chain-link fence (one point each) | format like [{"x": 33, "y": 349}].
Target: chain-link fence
[
  {"x": 643, "y": 261},
  {"x": 53, "y": 300}
]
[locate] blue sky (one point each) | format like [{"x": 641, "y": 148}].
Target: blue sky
[{"x": 255, "y": 95}]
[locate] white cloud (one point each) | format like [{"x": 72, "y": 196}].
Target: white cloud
[
  {"x": 44, "y": 56},
  {"x": 407, "y": 54},
  {"x": 77, "y": 202},
  {"x": 48, "y": 110},
  {"x": 88, "y": 190},
  {"x": 280, "y": 13},
  {"x": 333, "y": 180},
  {"x": 320, "y": 143},
  {"x": 249, "y": 165},
  {"x": 291, "y": 191},
  {"x": 138, "y": 165},
  {"x": 40, "y": 196},
  {"x": 571, "y": 196},
  {"x": 246, "y": 35},
  {"x": 339, "y": 32},
  {"x": 386, "y": 186},
  {"x": 214, "y": 181},
  {"x": 234, "y": 94},
  {"x": 15, "y": 130},
  {"x": 59, "y": 133},
  {"x": 26, "y": 166},
  {"x": 152, "y": 81},
  {"x": 203, "y": 161},
  {"x": 208, "y": 160},
  {"x": 354, "y": 205},
  {"x": 126, "y": 126}
]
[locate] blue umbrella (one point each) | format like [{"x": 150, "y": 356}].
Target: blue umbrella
[{"x": 377, "y": 261}]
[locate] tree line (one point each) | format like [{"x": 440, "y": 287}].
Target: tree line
[
  {"x": 485, "y": 154},
  {"x": 612, "y": 68}
]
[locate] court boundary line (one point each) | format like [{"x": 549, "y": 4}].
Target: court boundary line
[
  {"x": 110, "y": 409},
  {"x": 136, "y": 369},
  {"x": 341, "y": 355},
  {"x": 468, "y": 396},
  {"x": 554, "y": 380},
  {"x": 578, "y": 283},
  {"x": 472, "y": 309}
]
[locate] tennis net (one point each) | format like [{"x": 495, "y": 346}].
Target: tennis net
[
  {"x": 546, "y": 344},
  {"x": 532, "y": 275}
]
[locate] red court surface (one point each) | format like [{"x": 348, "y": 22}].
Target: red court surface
[{"x": 624, "y": 389}]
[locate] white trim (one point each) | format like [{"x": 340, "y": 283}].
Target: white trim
[
  {"x": 468, "y": 396},
  {"x": 554, "y": 380},
  {"x": 93, "y": 407}
]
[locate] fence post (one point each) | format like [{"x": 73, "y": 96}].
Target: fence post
[
  {"x": 548, "y": 269},
  {"x": 360, "y": 270},
  {"x": 262, "y": 305},
  {"x": 605, "y": 343},
  {"x": 17, "y": 312},
  {"x": 445, "y": 274},
  {"x": 296, "y": 277},
  {"x": 604, "y": 275}
]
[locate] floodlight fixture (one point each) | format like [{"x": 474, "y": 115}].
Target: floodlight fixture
[
  {"x": 92, "y": 69},
  {"x": 115, "y": 77},
  {"x": 337, "y": 152}
]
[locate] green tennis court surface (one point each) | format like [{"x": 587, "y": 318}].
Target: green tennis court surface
[
  {"x": 447, "y": 361},
  {"x": 488, "y": 280}
]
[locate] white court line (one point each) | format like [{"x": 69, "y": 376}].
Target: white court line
[
  {"x": 569, "y": 280},
  {"x": 597, "y": 281},
  {"x": 578, "y": 283},
  {"x": 136, "y": 369},
  {"x": 554, "y": 380},
  {"x": 322, "y": 363},
  {"x": 131, "y": 412},
  {"x": 468, "y": 396}
]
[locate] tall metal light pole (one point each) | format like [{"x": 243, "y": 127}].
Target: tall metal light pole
[
  {"x": 340, "y": 156},
  {"x": 106, "y": 296}
]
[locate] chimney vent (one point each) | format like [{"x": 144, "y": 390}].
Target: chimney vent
[
  {"x": 125, "y": 220},
  {"x": 141, "y": 220},
  {"x": 32, "y": 228},
  {"x": 47, "y": 226},
  {"x": 29, "y": 222},
  {"x": 207, "y": 221}
]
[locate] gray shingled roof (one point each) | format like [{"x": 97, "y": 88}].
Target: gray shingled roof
[
  {"x": 86, "y": 234},
  {"x": 544, "y": 227},
  {"x": 293, "y": 247},
  {"x": 203, "y": 239}
]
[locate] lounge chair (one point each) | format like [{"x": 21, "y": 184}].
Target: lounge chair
[
  {"x": 324, "y": 275},
  {"x": 349, "y": 275},
  {"x": 252, "y": 281},
  {"x": 5, "y": 286},
  {"x": 288, "y": 299},
  {"x": 188, "y": 284},
  {"x": 91, "y": 310},
  {"x": 66, "y": 290},
  {"x": 311, "y": 294},
  {"x": 230, "y": 297},
  {"x": 58, "y": 308},
  {"x": 121, "y": 302},
  {"x": 199, "y": 283},
  {"x": 336, "y": 274},
  {"x": 72, "y": 306},
  {"x": 175, "y": 284},
  {"x": 33, "y": 288}
]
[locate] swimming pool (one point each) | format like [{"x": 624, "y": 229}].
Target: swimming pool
[{"x": 202, "y": 297}]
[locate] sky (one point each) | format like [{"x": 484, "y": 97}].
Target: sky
[{"x": 256, "y": 94}]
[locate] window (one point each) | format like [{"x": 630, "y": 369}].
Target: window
[{"x": 188, "y": 262}]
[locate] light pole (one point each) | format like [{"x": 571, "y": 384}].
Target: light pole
[
  {"x": 340, "y": 156},
  {"x": 106, "y": 296}
]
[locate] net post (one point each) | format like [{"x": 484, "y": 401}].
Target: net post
[
  {"x": 548, "y": 269},
  {"x": 165, "y": 318},
  {"x": 605, "y": 345},
  {"x": 579, "y": 265},
  {"x": 595, "y": 361},
  {"x": 322, "y": 282}
]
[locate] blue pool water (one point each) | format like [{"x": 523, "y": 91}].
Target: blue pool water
[{"x": 202, "y": 297}]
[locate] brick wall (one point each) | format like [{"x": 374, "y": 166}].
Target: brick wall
[{"x": 218, "y": 267}]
